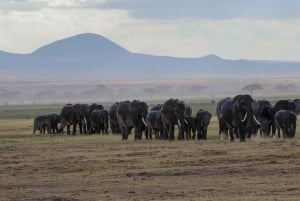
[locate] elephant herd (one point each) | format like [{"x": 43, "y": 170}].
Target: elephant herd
[
  {"x": 239, "y": 117},
  {"x": 123, "y": 117}
]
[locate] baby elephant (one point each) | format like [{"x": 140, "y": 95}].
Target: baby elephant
[
  {"x": 41, "y": 123},
  {"x": 202, "y": 121},
  {"x": 285, "y": 120}
]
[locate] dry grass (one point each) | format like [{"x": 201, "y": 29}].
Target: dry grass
[{"x": 56, "y": 167}]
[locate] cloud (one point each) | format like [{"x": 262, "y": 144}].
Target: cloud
[
  {"x": 20, "y": 5},
  {"x": 32, "y": 5},
  {"x": 236, "y": 38},
  {"x": 208, "y": 9}
]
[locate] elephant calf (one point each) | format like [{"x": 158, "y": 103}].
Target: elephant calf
[
  {"x": 154, "y": 123},
  {"x": 41, "y": 123},
  {"x": 202, "y": 121},
  {"x": 285, "y": 120}
]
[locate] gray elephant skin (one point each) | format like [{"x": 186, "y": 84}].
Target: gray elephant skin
[
  {"x": 72, "y": 115},
  {"x": 41, "y": 123},
  {"x": 202, "y": 121},
  {"x": 132, "y": 115},
  {"x": 172, "y": 113},
  {"x": 236, "y": 114},
  {"x": 99, "y": 121},
  {"x": 264, "y": 113},
  {"x": 285, "y": 120},
  {"x": 113, "y": 120},
  {"x": 154, "y": 124}
]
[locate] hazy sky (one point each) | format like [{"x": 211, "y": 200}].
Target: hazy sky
[{"x": 234, "y": 29}]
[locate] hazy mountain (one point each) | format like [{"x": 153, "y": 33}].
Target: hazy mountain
[{"x": 92, "y": 56}]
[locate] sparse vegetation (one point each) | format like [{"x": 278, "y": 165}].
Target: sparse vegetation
[{"x": 62, "y": 167}]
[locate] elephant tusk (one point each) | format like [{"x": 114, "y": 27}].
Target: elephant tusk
[
  {"x": 144, "y": 121},
  {"x": 179, "y": 124},
  {"x": 256, "y": 120},
  {"x": 186, "y": 121},
  {"x": 245, "y": 117}
]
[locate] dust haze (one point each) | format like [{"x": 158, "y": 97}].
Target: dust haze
[{"x": 84, "y": 91}]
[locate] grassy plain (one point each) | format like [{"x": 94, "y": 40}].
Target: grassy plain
[{"x": 71, "y": 168}]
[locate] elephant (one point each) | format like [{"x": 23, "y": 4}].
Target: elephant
[
  {"x": 71, "y": 115},
  {"x": 154, "y": 123},
  {"x": 236, "y": 114},
  {"x": 172, "y": 112},
  {"x": 112, "y": 113},
  {"x": 286, "y": 121},
  {"x": 189, "y": 126},
  {"x": 156, "y": 107},
  {"x": 41, "y": 123},
  {"x": 90, "y": 109},
  {"x": 54, "y": 120},
  {"x": 189, "y": 122},
  {"x": 132, "y": 115},
  {"x": 202, "y": 121},
  {"x": 99, "y": 121},
  {"x": 281, "y": 105},
  {"x": 264, "y": 112},
  {"x": 285, "y": 105}
]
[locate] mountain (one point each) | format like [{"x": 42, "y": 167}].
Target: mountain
[{"x": 91, "y": 56}]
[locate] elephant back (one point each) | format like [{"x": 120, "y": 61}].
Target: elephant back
[
  {"x": 67, "y": 111},
  {"x": 285, "y": 105},
  {"x": 93, "y": 107}
]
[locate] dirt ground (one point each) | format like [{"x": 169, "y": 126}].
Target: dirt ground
[{"x": 80, "y": 168}]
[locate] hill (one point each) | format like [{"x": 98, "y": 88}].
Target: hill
[{"x": 91, "y": 56}]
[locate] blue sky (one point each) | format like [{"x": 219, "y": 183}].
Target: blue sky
[{"x": 233, "y": 29}]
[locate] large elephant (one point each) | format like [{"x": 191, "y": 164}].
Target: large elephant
[
  {"x": 154, "y": 123},
  {"x": 112, "y": 113},
  {"x": 71, "y": 115},
  {"x": 99, "y": 121},
  {"x": 286, "y": 121},
  {"x": 202, "y": 121},
  {"x": 132, "y": 115},
  {"x": 172, "y": 112},
  {"x": 237, "y": 115}
]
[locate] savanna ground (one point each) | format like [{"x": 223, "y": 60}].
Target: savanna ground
[{"x": 70, "y": 168}]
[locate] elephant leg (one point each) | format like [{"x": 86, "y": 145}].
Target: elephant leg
[
  {"x": 137, "y": 134},
  {"x": 171, "y": 132},
  {"x": 278, "y": 132},
  {"x": 188, "y": 133},
  {"x": 205, "y": 134},
  {"x": 149, "y": 133},
  {"x": 199, "y": 134},
  {"x": 125, "y": 133},
  {"x": 242, "y": 134},
  {"x": 74, "y": 128},
  {"x": 231, "y": 136}
]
